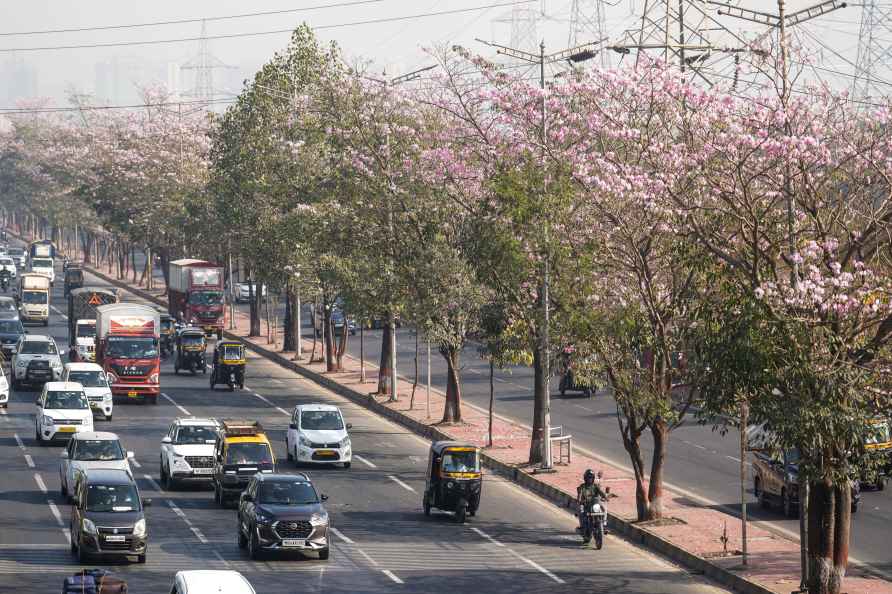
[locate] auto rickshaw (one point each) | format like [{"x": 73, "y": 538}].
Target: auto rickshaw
[
  {"x": 191, "y": 347},
  {"x": 168, "y": 334},
  {"x": 74, "y": 278},
  {"x": 569, "y": 381},
  {"x": 454, "y": 480},
  {"x": 229, "y": 365}
]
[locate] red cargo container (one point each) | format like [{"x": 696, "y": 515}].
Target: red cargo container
[{"x": 195, "y": 294}]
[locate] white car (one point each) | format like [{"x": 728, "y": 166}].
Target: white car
[
  {"x": 45, "y": 267},
  {"x": 4, "y": 389},
  {"x": 318, "y": 434},
  {"x": 86, "y": 451},
  {"x": 18, "y": 256},
  {"x": 187, "y": 451},
  {"x": 36, "y": 360},
  {"x": 95, "y": 383},
  {"x": 85, "y": 339},
  {"x": 62, "y": 411},
  {"x": 210, "y": 581},
  {"x": 242, "y": 291},
  {"x": 8, "y": 264}
]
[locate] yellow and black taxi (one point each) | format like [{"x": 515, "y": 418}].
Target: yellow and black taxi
[
  {"x": 229, "y": 364},
  {"x": 241, "y": 450},
  {"x": 454, "y": 479},
  {"x": 878, "y": 445}
]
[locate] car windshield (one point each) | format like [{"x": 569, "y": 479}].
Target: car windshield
[
  {"x": 35, "y": 297},
  {"x": 98, "y": 450},
  {"x": 287, "y": 493},
  {"x": 86, "y": 330},
  {"x": 7, "y": 305},
  {"x": 248, "y": 453},
  {"x": 195, "y": 434},
  {"x": 191, "y": 340},
  {"x": 66, "y": 400},
  {"x": 321, "y": 420},
  {"x": 231, "y": 353},
  {"x": 11, "y": 327},
  {"x": 112, "y": 498},
  {"x": 167, "y": 325},
  {"x": 459, "y": 461},
  {"x": 132, "y": 348},
  {"x": 38, "y": 347},
  {"x": 206, "y": 298},
  {"x": 74, "y": 275},
  {"x": 41, "y": 263},
  {"x": 17, "y": 252},
  {"x": 88, "y": 379}
]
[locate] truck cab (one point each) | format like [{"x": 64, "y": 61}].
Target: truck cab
[
  {"x": 127, "y": 337},
  {"x": 195, "y": 294},
  {"x": 34, "y": 298}
]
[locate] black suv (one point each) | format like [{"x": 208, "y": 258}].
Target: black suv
[
  {"x": 107, "y": 516},
  {"x": 282, "y": 512},
  {"x": 11, "y": 331}
]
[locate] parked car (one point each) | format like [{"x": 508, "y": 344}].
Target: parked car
[
  {"x": 107, "y": 516},
  {"x": 282, "y": 512},
  {"x": 62, "y": 411},
  {"x": 242, "y": 291},
  {"x": 318, "y": 434},
  {"x": 96, "y": 387},
  {"x": 11, "y": 330},
  {"x": 210, "y": 581},
  {"x": 89, "y": 450},
  {"x": 36, "y": 361},
  {"x": 187, "y": 451}
]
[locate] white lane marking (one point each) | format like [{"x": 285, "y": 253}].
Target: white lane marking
[
  {"x": 364, "y": 461},
  {"x": 135, "y": 463},
  {"x": 488, "y": 537},
  {"x": 584, "y": 407},
  {"x": 40, "y": 484},
  {"x": 400, "y": 483},
  {"x": 389, "y": 574},
  {"x": 733, "y": 458},
  {"x": 178, "y": 511},
  {"x": 180, "y": 408},
  {"x": 152, "y": 482},
  {"x": 29, "y": 460},
  {"x": 338, "y": 533},
  {"x": 221, "y": 559},
  {"x": 278, "y": 408},
  {"x": 67, "y": 533},
  {"x": 367, "y": 558},
  {"x": 698, "y": 446},
  {"x": 55, "y": 309},
  {"x": 56, "y": 513},
  {"x": 536, "y": 566},
  {"x": 18, "y": 440},
  {"x": 198, "y": 533}
]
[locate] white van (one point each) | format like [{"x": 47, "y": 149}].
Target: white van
[{"x": 207, "y": 581}]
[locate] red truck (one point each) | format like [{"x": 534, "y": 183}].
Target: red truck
[
  {"x": 195, "y": 294},
  {"x": 127, "y": 337}
]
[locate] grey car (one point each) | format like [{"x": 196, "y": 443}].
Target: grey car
[{"x": 282, "y": 512}]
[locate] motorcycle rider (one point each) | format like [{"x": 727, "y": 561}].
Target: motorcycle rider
[
  {"x": 4, "y": 279},
  {"x": 589, "y": 492}
]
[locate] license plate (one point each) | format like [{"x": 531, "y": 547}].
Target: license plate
[
  {"x": 293, "y": 542},
  {"x": 65, "y": 430},
  {"x": 132, "y": 394},
  {"x": 326, "y": 453},
  {"x": 203, "y": 470},
  {"x": 115, "y": 538}
]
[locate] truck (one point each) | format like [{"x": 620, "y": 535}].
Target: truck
[
  {"x": 195, "y": 294},
  {"x": 34, "y": 298},
  {"x": 43, "y": 248},
  {"x": 127, "y": 337},
  {"x": 82, "y": 304}
]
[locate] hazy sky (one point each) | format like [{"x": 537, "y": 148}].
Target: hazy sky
[{"x": 395, "y": 45}]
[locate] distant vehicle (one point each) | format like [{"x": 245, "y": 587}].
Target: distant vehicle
[
  {"x": 128, "y": 349},
  {"x": 95, "y": 384},
  {"x": 86, "y": 451},
  {"x": 241, "y": 450},
  {"x": 62, "y": 411},
  {"x": 42, "y": 248},
  {"x": 107, "y": 516},
  {"x": 11, "y": 330},
  {"x": 34, "y": 298},
  {"x": 207, "y": 581},
  {"x": 243, "y": 291},
  {"x": 4, "y": 389},
  {"x": 18, "y": 256},
  {"x": 45, "y": 267},
  {"x": 318, "y": 434},
  {"x": 82, "y": 304},
  {"x": 74, "y": 278},
  {"x": 85, "y": 340},
  {"x": 8, "y": 307},
  {"x": 8, "y": 264},
  {"x": 36, "y": 360},
  {"x": 187, "y": 451},
  {"x": 195, "y": 289}
]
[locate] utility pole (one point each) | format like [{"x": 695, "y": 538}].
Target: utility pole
[
  {"x": 744, "y": 422},
  {"x": 782, "y": 20},
  {"x": 574, "y": 54}
]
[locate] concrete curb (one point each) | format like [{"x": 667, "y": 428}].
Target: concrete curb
[{"x": 627, "y": 529}]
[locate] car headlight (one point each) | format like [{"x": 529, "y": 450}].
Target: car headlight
[
  {"x": 304, "y": 441},
  {"x": 344, "y": 442},
  {"x": 263, "y": 518},
  {"x": 107, "y": 397},
  {"x": 88, "y": 526},
  {"x": 47, "y": 420},
  {"x": 153, "y": 379},
  {"x": 56, "y": 364},
  {"x": 319, "y": 519},
  {"x": 139, "y": 529}
]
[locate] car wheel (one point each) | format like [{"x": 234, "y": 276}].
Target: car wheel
[
  {"x": 165, "y": 481},
  {"x": 288, "y": 453},
  {"x": 73, "y": 544},
  {"x": 63, "y": 490},
  {"x": 108, "y": 418},
  {"x": 346, "y": 465},
  {"x": 425, "y": 503},
  {"x": 242, "y": 540},
  {"x": 82, "y": 556},
  {"x": 323, "y": 554},
  {"x": 253, "y": 548},
  {"x": 141, "y": 559}
]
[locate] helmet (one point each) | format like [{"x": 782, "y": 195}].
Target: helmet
[{"x": 589, "y": 477}]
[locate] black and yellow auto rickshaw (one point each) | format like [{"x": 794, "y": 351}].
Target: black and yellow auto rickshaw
[
  {"x": 74, "y": 278},
  {"x": 191, "y": 347},
  {"x": 454, "y": 479},
  {"x": 168, "y": 334},
  {"x": 229, "y": 364}
]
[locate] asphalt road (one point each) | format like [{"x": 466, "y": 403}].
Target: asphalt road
[
  {"x": 702, "y": 463},
  {"x": 384, "y": 543}
]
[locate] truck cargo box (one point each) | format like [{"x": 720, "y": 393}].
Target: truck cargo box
[
  {"x": 127, "y": 318},
  {"x": 35, "y": 282},
  {"x": 188, "y": 274}
]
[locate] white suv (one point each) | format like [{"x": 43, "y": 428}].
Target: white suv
[
  {"x": 85, "y": 451},
  {"x": 95, "y": 383},
  {"x": 62, "y": 411},
  {"x": 45, "y": 267},
  {"x": 318, "y": 434},
  {"x": 8, "y": 264},
  {"x": 187, "y": 451},
  {"x": 36, "y": 360}
]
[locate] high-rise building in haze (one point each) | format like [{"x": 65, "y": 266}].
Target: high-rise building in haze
[{"x": 19, "y": 81}]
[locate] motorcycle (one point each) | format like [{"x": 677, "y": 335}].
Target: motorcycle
[
  {"x": 594, "y": 522},
  {"x": 4, "y": 280}
]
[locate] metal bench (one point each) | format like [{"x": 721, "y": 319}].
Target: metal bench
[{"x": 563, "y": 442}]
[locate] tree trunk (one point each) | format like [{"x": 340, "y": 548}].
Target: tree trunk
[
  {"x": 384, "y": 363},
  {"x": 328, "y": 336},
  {"x": 540, "y": 385},
  {"x": 256, "y": 296},
  {"x": 290, "y": 322},
  {"x": 659, "y": 430},
  {"x": 342, "y": 344},
  {"x": 492, "y": 395},
  {"x": 452, "y": 409},
  {"x": 315, "y": 334},
  {"x": 133, "y": 262},
  {"x": 415, "y": 382},
  {"x": 630, "y": 431},
  {"x": 165, "y": 270},
  {"x": 829, "y": 522}
]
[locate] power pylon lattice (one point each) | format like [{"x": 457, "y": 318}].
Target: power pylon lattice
[
  {"x": 524, "y": 23},
  {"x": 587, "y": 24},
  {"x": 874, "y": 50},
  {"x": 204, "y": 63}
]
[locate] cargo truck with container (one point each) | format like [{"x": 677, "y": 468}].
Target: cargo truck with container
[
  {"x": 82, "y": 304},
  {"x": 43, "y": 248},
  {"x": 34, "y": 298},
  {"x": 127, "y": 337},
  {"x": 195, "y": 294}
]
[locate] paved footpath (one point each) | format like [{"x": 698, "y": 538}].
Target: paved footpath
[{"x": 773, "y": 558}]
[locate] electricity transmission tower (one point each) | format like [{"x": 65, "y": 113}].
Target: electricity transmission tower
[
  {"x": 524, "y": 24},
  {"x": 874, "y": 49},
  {"x": 587, "y": 24},
  {"x": 204, "y": 63}
]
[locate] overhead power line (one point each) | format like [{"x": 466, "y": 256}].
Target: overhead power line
[
  {"x": 261, "y": 33},
  {"x": 40, "y": 110},
  {"x": 187, "y": 21}
]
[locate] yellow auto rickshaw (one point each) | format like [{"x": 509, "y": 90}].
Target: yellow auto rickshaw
[
  {"x": 454, "y": 479},
  {"x": 229, "y": 365}
]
